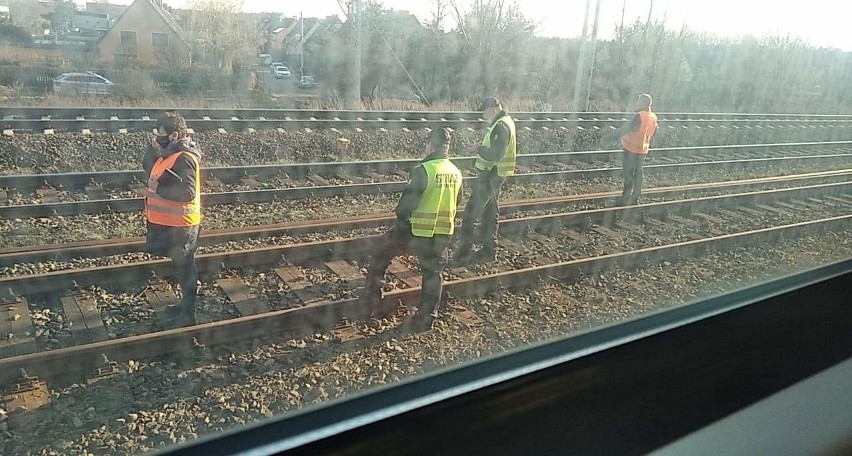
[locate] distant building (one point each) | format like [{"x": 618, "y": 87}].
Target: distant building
[
  {"x": 30, "y": 15},
  {"x": 110, "y": 9},
  {"x": 147, "y": 34},
  {"x": 84, "y": 21},
  {"x": 286, "y": 32},
  {"x": 4, "y": 12}
]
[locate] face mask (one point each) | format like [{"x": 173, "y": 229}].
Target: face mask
[{"x": 163, "y": 141}]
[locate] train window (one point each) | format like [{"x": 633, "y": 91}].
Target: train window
[{"x": 271, "y": 205}]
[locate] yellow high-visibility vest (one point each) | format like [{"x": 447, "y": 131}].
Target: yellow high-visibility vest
[
  {"x": 436, "y": 211},
  {"x": 506, "y": 165}
]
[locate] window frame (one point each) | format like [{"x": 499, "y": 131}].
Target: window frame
[
  {"x": 159, "y": 45},
  {"x": 122, "y": 35}
]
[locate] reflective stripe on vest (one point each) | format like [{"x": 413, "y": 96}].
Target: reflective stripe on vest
[
  {"x": 639, "y": 141},
  {"x": 161, "y": 211},
  {"x": 436, "y": 211},
  {"x": 506, "y": 165}
]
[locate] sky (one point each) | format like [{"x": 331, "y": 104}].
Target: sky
[{"x": 820, "y": 22}]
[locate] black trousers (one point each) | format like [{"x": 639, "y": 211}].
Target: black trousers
[
  {"x": 631, "y": 168},
  {"x": 179, "y": 244},
  {"x": 187, "y": 275},
  {"x": 483, "y": 207},
  {"x": 432, "y": 254}
]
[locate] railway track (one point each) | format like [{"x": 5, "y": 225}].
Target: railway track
[
  {"x": 37, "y": 112},
  {"x": 116, "y": 119},
  {"x": 111, "y": 247},
  {"x": 316, "y": 279},
  {"x": 121, "y": 191}
]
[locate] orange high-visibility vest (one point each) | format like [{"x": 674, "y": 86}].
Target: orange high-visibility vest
[
  {"x": 639, "y": 141},
  {"x": 161, "y": 211}
]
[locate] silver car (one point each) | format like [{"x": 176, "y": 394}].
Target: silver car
[{"x": 87, "y": 83}]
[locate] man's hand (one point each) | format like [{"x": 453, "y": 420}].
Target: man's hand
[
  {"x": 153, "y": 184},
  {"x": 155, "y": 145},
  {"x": 403, "y": 225}
]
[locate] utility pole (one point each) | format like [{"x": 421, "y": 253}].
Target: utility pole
[
  {"x": 356, "y": 87},
  {"x": 594, "y": 50},
  {"x": 301, "y": 44},
  {"x": 581, "y": 61}
]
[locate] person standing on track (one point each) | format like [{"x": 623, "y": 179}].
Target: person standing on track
[
  {"x": 636, "y": 135},
  {"x": 173, "y": 207},
  {"x": 495, "y": 161},
  {"x": 426, "y": 214}
]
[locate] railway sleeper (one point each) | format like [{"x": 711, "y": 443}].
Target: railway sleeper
[
  {"x": 802, "y": 205},
  {"x": 784, "y": 207},
  {"x": 160, "y": 295},
  {"x": 17, "y": 333},
  {"x": 250, "y": 182},
  {"x": 95, "y": 192},
  {"x": 140, "y": 189},
  {"x": 26, "y": 395},
  {"x": 47, "y": 195},
  {"x": 351, "y": 276},
  {"x": 303, "y": 288},
  {"x": 85, "y": 319},
  {"x": 241, "y": 297}
]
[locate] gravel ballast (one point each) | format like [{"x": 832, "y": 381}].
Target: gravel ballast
[{"x": 159, "y": 403}]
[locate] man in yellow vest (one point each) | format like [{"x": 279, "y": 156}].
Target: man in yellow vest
[
  {"x": 495, "y": 161},
  {"x": 636, "y": 137},
  {"x": 173, "y": 207},
  {"x": 426, "y": 214}
]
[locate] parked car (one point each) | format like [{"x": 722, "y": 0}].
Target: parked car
[
  {"x": 88, "y": 83},
  {"x": 264, "y": 59},
  {"x": 281, "y": 72},
  {"x": 275, "y": 65},
  {"x": 306, "y": 82}
]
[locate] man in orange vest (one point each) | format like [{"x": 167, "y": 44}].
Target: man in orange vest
[
  {"x": 635, "y": 137},
  {"x": 173, "y": 207}
]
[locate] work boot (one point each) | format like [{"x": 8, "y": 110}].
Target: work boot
[
  {"x": 181, "y": 314},
  {"x": 370, "y": 300},
  {"x": 417, "y": 323},
  {"x": 461, "y": 257},
  {"x": 486, "y": 255}
]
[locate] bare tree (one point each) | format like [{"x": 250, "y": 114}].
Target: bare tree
[
  {"x": 436, "y": 64},
  {"x": 221, "y": 33},
  {"x": 490, "y": 30}
]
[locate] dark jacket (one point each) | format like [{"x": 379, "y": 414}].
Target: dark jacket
[
  {"x": 630, "y": 126},
  {"x": 417, "y": 183},
  {"x": 167, "y": 240}
]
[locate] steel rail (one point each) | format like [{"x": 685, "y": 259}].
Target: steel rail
[
  {"x": 255, "y": 196},
  {"x": 233, "y": 173},
  {"x": 96, "y": 248},
  {"x": 325, "y": 316},
  {"x": 238, "y": 124},
  {"x": 355, "y": 247},
  {"x": 37, "y": 112}
]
